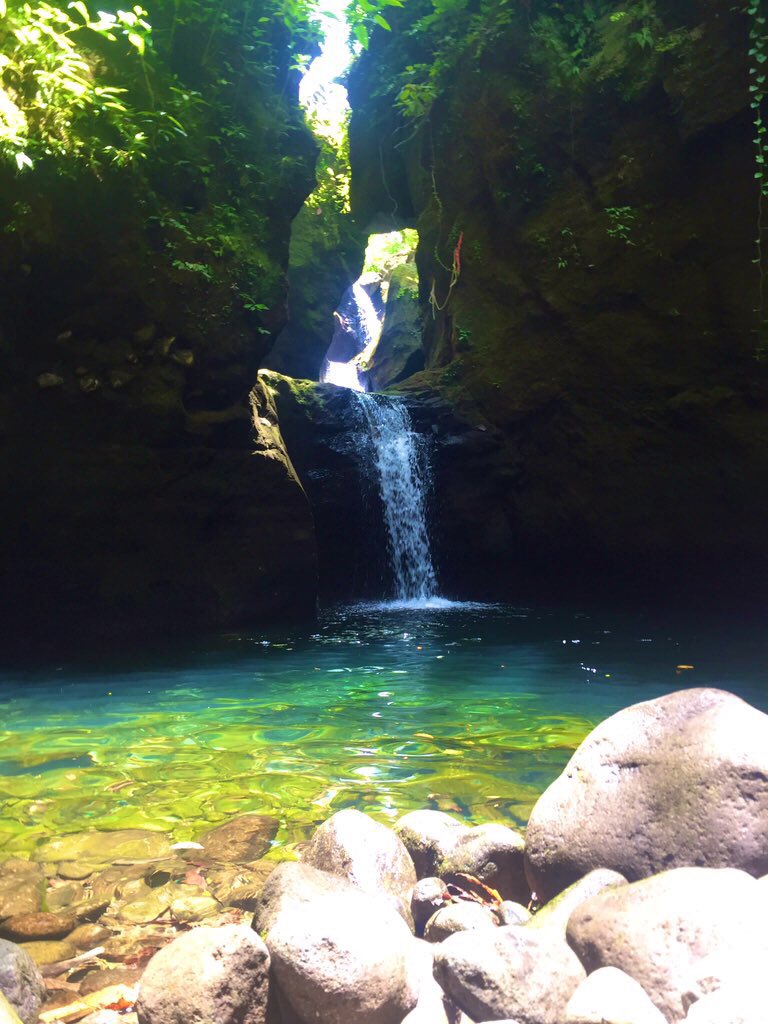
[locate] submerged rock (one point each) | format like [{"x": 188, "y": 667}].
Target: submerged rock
[
  {"x": 20, "y": 981},
  {"x": 129, "y": 844},
  {"x": 242, "y": 839},
  {"x": 22, "y": 884},
  {"x": 678, "y": 934},
  {"x": 50, "y": 951},
  {"x": 675, "y": 781},
  {"x": 29, "y": 927},
  {"x": 494, "y": 854},
  {"x": 208, "y": 974},
  {"x": 336, "y": 962}
]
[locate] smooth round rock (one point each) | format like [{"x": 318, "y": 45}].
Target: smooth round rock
[
  {"x": 365, "y": 853},
  {"x": 207, "y": 974},
  {"x": 31, "y": 927},
  {"x": 22, "y": 885},
  {"x": 88, "y": 936},
  {"x": 336, "y": 962},
  {"x": 429, "y": 895},
  {"x": 458, "y": 917},
  {"x": 242, "y": 839},
  {"x": 494, "y": 854},
  {"x": 20, "y": 981},
  {"x": 557, "y": 912},
  {"x": 510, "y": 972},
  {"x": 670, "y": 932},
  {"x": 50, "y": 951},
  {"x": 513, "y": 913},
  {"x": 129, "y": 844},
  {"x": 609, "y": 996},
  {"x": 680, "y": 780},
  {"x": 429, "y": 836}
]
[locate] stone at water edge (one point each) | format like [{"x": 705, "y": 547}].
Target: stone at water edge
[
  {"x": 609, "y": 996},
  {"x": 509, "y": 972},
  {"x": 372, "y": 857},
  {"x": 513, "y": 913},
  {"x": 215, "y": 974},
  {"x": 429, "y": 895},
  {"x": 429, "y": 836},
  {"x": 459, "y": 917},
  {"x": 677, "y": 934},
  {"x": 20, "y": 981},
  {"x": 22, "y": 885},
  {"x": 670, "y": 782},
  {"x": 29, "y": 927},
  {"x": 338, "y": 960},
  {"x": 49, "y": 951},
  {"x": 494, "y": 854},
  {"x": 293, "y": 883},
  {"x": 129, "y": 844}
]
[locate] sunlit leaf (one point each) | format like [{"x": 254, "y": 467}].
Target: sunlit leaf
[{"x": 136, "y": 40}]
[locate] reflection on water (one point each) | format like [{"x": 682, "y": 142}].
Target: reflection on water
[{"x": 468, "y": 709}]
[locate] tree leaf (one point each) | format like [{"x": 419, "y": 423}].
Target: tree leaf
[
  {"x": 380, "y": 20},
  {"x": 136, "y": 40}
]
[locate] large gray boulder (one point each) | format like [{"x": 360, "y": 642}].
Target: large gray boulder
[
  {"x": 680, "y": 934},
  {"x": 337, "y": 962},
  {"x": 731, "y": 1004},
  {"x": 207, "y": 974},
  {"x": 20, "y": 981},
  {"x": 429, "y": 836},
  {"x": 676, "y": 781},
  {"x": 609, "y": 996},
  {"x": 365, "y": 853},
  {"x": 494, "y": 854},
  {"x": 511, "y": 972}
]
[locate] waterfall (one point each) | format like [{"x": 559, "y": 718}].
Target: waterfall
[
  {"x": 401, "y": 470},
  {"x": 354, "y": 333}
]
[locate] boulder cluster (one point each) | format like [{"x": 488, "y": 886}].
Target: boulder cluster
[{"x": 638, "y": 896}]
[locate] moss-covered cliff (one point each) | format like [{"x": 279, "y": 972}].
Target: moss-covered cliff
[
  {"x": 139, "y": 293},
  {"x": 584, "y": 173}
]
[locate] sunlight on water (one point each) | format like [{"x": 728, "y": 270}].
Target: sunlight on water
[{"x": 472, "y": 711}]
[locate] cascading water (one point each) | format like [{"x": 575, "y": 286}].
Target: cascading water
[
  {"x": 401, "y": 468},
  {"x": 354, "y": 334}
]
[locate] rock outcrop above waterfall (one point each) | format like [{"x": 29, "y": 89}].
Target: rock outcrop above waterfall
[
  {"x": 136, "y": 304},
  {"x": 598, "y": 201}
]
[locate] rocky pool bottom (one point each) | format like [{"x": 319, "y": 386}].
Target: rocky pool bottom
[
  {"x": 638, "y": 895},
  {"x": 143, "y": 798}
]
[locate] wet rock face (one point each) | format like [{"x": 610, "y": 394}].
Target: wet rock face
[
  {"x": 601, "y": 321},
  {"x": 399, "y": 353},
  {"x": 676, "y": 781}
]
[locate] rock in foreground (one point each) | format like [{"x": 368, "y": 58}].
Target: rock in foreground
[
  {"x": 676, "y": 781},
  {"x": 208, "y": 974}
]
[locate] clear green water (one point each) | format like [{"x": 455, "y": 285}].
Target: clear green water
[{"x": 473, "y": 711}]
